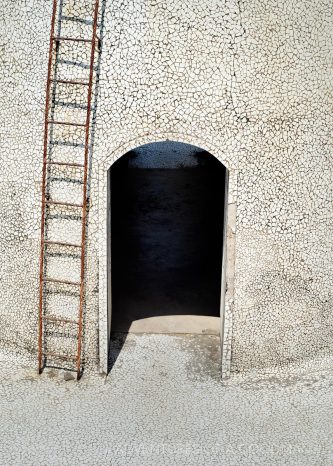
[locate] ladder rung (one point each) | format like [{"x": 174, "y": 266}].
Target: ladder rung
[
  {"x": 68, "y": 81},
  {"x": 80, "y": 165},
  {"x": 60, "y": 320},
  {"x": 60, "y": 243},
  {"x": 59, "y": 356},
  {"x": 68, "y": 204},
  {"x": 71, "y": 39},
  {"x": 65, "y": 123},
  {"x": 65, "y": 282}
]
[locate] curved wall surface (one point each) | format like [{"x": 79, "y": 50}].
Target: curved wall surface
[{"x": 248, "y": 81}]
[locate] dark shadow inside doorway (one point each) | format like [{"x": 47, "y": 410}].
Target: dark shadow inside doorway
[{"x": 167, "y": 213}]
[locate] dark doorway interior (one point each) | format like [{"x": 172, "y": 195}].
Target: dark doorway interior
[{"x": 167, "y": 209}]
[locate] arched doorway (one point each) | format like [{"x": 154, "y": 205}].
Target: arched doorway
[{"x": 166, "y": 229}]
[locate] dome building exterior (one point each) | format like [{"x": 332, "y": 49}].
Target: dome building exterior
[{"x": 236, "y": 93}]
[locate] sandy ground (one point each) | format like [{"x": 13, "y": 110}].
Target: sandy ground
[{"x": 163, "y": 403}]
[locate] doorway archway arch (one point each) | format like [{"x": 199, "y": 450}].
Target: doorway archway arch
[{"x": 104, "y": 252}]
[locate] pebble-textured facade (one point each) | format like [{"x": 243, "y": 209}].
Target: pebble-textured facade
[{"x": 248, "y": 81}]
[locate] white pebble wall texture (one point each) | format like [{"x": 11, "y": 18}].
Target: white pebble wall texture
[{"x": 250, "y": 82}]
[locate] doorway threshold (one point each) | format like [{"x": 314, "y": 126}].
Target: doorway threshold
[{"x": 172, "y": 324}]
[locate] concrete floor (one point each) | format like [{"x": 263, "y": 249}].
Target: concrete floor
[
  {"x": 166, "y": 250},
  {"x": 163, "y": 404}
]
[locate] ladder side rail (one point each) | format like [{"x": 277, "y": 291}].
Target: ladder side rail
[
  {"x": 84, "y": 210},
  {"x": 45, "y": 152},
  {"x": 55, "y": 70}
]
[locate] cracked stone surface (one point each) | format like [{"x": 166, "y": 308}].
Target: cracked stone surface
[
  {"x": 249, "y": 81},
  {"x": 163, "y": 403}
]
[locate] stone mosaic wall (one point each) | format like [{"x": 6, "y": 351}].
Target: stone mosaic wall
[{"x": 250, "y": 82}]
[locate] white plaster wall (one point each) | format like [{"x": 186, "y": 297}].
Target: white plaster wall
[{"x": 250, "y": 82}]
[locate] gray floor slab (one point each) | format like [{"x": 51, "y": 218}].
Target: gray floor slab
[{"x": 163, "y": 404}]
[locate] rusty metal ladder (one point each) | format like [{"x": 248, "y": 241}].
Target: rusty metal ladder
[{"x": 45, "y": 318}]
